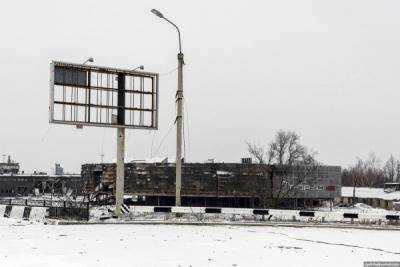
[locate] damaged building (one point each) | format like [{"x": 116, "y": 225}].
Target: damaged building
[
  {"x": 14, "y": 183},
  {"x": 219, "y": 184},
  {"x": 34, "y": 184}
]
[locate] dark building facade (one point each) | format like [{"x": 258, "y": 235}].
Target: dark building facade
[
  {"x": 24, "y": 184},
  {"x": 9, "y": 167},
  {"x": 219, "y": 184}
]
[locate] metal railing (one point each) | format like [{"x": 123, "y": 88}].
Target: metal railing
[{"x": 42, "y": 202}]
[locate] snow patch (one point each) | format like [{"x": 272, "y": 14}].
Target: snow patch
[
  {"x": 17, "y": 212},
  {"x": 37, "y": 214},
  {"x": 366, "y": 192},
  {"x": 2, "y": 210}
]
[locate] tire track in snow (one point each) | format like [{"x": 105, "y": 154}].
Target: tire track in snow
[{"x": 335, "y": 244}]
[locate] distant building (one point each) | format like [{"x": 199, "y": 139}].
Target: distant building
[
  {"x": 9, "y": 167},
  {"x": 374, "y": 197},
  {"x": 58, "y": 170},
  {"x": 246, "y": 160},
  {"x": 391, "y": 187}
]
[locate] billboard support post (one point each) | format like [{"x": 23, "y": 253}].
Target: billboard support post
[
  {"x": 120, "y": 172},
  {"x": 120, "y": 175}
]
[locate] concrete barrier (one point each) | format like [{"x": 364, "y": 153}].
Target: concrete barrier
[
  {"x": 350, "y": 215},
  {"x": 7, "y": 211},
  {"x": 274, "y": 214},
  {"x": 27, "y": 212},
  {"x": 188, "y": 209},
  {"x": 2, "y": 210},
  {"x": 124, "y": 209},
  {"x": 306, "y": 213},
  {"x": 213, "y": 210},
  {"x": 41, "y": 213},
  {"x": 241, "y": 211},
  {"x": 260, "y": 212},
  {"x": 392, "y": 217},
  {"x": 162, "y": 209},
  {"x": 38, "y": 214},
  {"x": 17, "y": 212}
]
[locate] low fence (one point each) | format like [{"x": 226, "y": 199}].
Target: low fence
[
  {"x": 28, "y": 209},
  {"x": 41, "y": 202},
  {"x": 272, "y": 214},
  {"x": 83, "y": 213},
  {"x": 23, "y": 213}
]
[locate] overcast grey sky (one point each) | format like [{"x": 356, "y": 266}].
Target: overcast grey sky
[{"x": 329, "y": 70}]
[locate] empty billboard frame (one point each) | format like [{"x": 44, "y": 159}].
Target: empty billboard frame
[{"x": 103, "y": 96}]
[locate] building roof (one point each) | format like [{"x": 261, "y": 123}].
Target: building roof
[
  {"x": 367, "y": 192},
  {"x": 20, "y": 175}
]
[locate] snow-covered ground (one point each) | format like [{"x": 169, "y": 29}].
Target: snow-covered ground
[{"x": 35, "y": 244}]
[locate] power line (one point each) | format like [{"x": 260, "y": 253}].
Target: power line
[
  {"x": 186, "y": 136},
  {"x": 152, "y": 145},
  {"x": 164, "y": 137},
  {"x": 102, "y": 146},
  {"x": 184, "y": 140},
  {"x": 168, "y": 72},
  {"x": 45, "y": 133},
  {"x": 187, "y": 128}
]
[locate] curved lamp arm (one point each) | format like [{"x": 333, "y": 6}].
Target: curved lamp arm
[{"x": 160, "y": 15}]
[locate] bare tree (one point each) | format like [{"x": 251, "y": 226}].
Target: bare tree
[
  {"x": 390, "y": 169},
  {"x": 287, "y": 149},
  {"x": 271, "y": 153},
  {"x": 373, "y": 171},
  {"x": 310, "y": 158},
  {"x": 398, "y": 171},
  {"x": 357, "y": 173},
  {"x": 280, "y": 143},
  {"x": 367, "y": 173},
  {"x": 284, "y": 149},
  {"x": 256, "y": 151},
  {"x": 295, "y": 150}
]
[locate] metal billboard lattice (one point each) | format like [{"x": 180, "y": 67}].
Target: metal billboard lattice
[{"x": 102, "y": 96}]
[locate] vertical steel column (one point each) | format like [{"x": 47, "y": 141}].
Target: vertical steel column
[
  {"x": 120, "y": 173},
  {"x": 87, "y": 99},
  {"x": 179, "y": 120}
]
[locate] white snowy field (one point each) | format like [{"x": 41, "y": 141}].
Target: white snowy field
[{"x": 24, "y": 244}]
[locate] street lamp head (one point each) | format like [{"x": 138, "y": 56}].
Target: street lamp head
[
  {"x": 141, "y": 67},
  {"x": 160, "y": 15},
  {"x": 157, "y": 13},
  {"x": 90, "y": 59}
]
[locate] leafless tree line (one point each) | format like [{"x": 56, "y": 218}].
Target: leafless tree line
[
  {"x": 284, "y": 149},
  {"x": 371, "y": 173}
]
